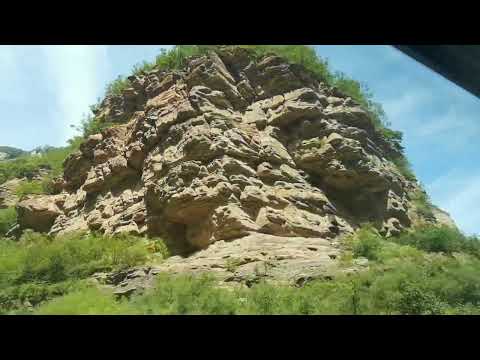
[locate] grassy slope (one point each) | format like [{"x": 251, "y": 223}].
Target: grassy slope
[{"x": 403, "y": 278}]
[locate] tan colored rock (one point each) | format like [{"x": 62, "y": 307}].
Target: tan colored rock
[
  {"x": 38, "y": 213},
  {"x": 443, "y": 218},
  {"x": 289, "y": 260},
  {"x": 231, "y": 148}
]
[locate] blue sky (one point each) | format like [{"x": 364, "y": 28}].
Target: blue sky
[{"x": 44, "y": 89}]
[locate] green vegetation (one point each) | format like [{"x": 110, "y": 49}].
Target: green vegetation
[
  {"x": 441, "y": 239},
  {"x": 297, "y": 54},
  {"x": 11, "y": 151},
  {"x": 404, "y": 167},
  {"x": 367, "y": 243},
  {"x": 29, "y": 187},
  {"x": 85, "y": 300},
  {"x": 91, "y": 125},
  {"x": 405, "y": 276},
  {"x": 422, "y": 204},
  {"x": 29, "y": 165},
  {"x": 38, "y": 267},
  {"x": 8, "y": 218},
  {"x": 430, "y": 270}
]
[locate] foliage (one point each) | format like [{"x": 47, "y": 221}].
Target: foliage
[
  {"x": 14, "y": 297},
  {"x": 422, "y": 204},
  {"x": 29, "y": 187},
  {"x": 404, "y": 167},
  {"x": 91, "y": 125},
  {"x": 38, "y": 257},
  {"x": 405, "y": 285},
  {"x": 8, "y": 218},
  {"x": 85, "y": 301},
  {"x": 185, "y": 295},
  {"x": 37, "y": 262},
  {"x": 366, "y": 243},
  {"x": 11, "y": 151},
  {"x": 441, "y": 239},
  {"x": 29, "y": 165},
  {"x": 117, "y": 86}
]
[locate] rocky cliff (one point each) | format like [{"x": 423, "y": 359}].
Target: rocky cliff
[{"x": 229, "y": 147}]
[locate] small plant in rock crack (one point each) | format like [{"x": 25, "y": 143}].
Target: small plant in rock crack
[{"x": 232, "y": 264}]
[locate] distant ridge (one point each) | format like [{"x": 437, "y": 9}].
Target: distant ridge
[{"x": 8, "y": 152}]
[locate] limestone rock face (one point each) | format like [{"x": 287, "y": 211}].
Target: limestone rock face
[
  {"x": 246, "y": 261},
  {"x": 39, "y": 212},
  {"x": 226, "y": 148}
]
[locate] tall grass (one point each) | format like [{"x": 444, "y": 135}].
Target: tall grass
[
  {"x": 8, "y": 218},
  {"x": 401, "y": 280},
  {"x": 39, "y": 263}
]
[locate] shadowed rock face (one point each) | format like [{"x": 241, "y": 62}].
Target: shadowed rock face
[{"x": 226, "y": 148}]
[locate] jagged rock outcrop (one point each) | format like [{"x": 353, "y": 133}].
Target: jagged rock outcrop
[
  {"x": 253, "y": 258},
  {"x": 39, "y": 212},
  {"x": 8, "y": 197},
  {"x": 228, "y": 147}
]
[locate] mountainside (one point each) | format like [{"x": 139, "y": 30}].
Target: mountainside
[
  {"x": 229, "y": 146},
  {"x": 242, "y": 164},
  {"x": 8, "y": 152}
]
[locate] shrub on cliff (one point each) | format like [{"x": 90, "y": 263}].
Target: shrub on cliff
[{"x": 306, "y": 56}]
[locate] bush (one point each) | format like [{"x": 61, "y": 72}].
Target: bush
[
  {"x": 415, "y": 300},
  {"x": 91, "y": 125},
  {"x": 441, "y": 239},
  {"x": 29, "y": 165},
  {"x": 33, "y": 267},
  {"x": 367, "y": 242},
  {"x": 29, "y": 188},
  {"x": 39, "y": 258},
  {"x": 422, "y": 204},
  {"x": 86, "y": 301},
  {"x": 404, "y": 167},
  {"x": 185, "y": 295},
  {"x": 15, "y": 297},
  {"x": 8, "y": 218},
  {"x": 406, "y": 285},
  {"x": 117, "y": 86}
]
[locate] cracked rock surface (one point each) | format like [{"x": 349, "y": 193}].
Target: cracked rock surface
[{"x": 231, "y": 156}]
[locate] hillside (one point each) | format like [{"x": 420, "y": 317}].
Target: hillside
[
  {"x": 252, "y": 165},
  {"x": 7, "y": 152}
]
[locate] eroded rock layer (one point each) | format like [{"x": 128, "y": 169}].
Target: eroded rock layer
[{"x": 228, "y": 147}]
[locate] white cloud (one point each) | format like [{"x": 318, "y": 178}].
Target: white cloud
[
  {"x": 403, "y": 105},
  {"x": 458, "y": 192},
  {"x": 78, "y": 73}
]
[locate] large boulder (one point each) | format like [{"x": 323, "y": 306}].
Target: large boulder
[{"x": 39, "y": 212}]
